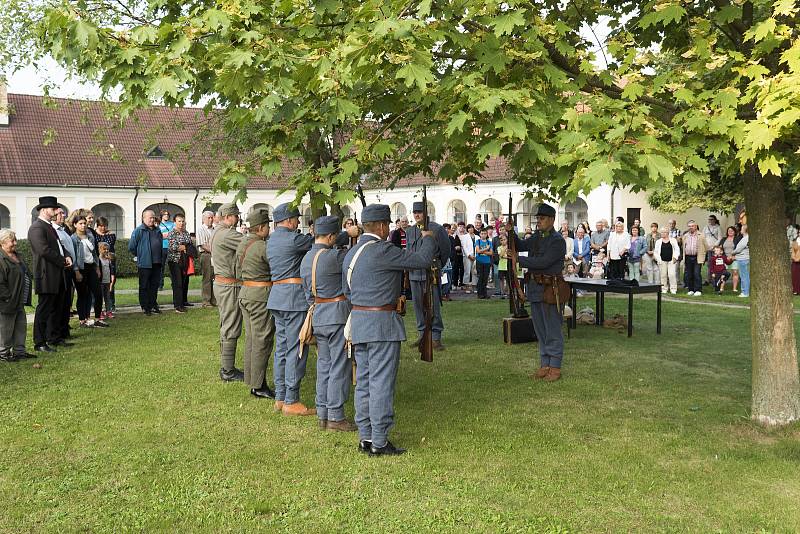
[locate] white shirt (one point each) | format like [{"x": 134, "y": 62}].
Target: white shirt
[
  {"x": 88, "y": 249},
  {"x": 56, "y": 228},
  {"x": 204, "y": 235},
  {"x": 618, "y": 243}
]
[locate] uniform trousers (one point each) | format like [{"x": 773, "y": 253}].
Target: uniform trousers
[
  {"x": 376, "y": 373},
  {"x": 417, "y": 290},
  {"x": 230, "y": 323},
  {"x": 547, "y": 320},
  {"x": 208, "y": 278},
  {"x": 289, "y": 367},
  {"x": 259, "y": 334},
  {"x": 47, "y": 321},
  {"x": 334, "y": 371},
  {"x": 13, "y": 327}
]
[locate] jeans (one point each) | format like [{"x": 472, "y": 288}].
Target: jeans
[
  {"x": 448, "y": 270},
  {"x": 89, "y": 293},
  {"x": 744, "y": 274},
  {"x": 496, "y": 278}
]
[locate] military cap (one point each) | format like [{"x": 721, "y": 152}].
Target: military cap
[
  {"x": 229, "y": 208},
  {"x": 376, "y": 213},
  {"x": 546, "y": 210},
  {"x": 417, "y": 206},
  {"x": 285, "y": 211},
  {"x": 257, "y": 217},
  {"x": 327, "y": 224}
]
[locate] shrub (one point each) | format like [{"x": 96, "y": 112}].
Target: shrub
[{"x": 125, "y": 264}]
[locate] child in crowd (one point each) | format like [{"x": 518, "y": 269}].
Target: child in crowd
[
  {"x": 108, "y": 276},
  {"x": 598, "y": 270},
  {"x": 719, "y": 274},
  {"x": 570, "y": 270},
  {"x": 502, "y": 264}
]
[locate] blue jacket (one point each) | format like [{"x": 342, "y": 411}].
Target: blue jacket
[
  {"x": 80, "y": 253},
  {"x": 139, "y": 246},
  {"x": 585, "y": 251},
  {"x": 639, "y": 250}
]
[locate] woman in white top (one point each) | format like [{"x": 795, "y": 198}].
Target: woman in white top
[
  {"x": 618, "y": 244},
  {"x": 87, "y": 274},
  {"x": 666, "y": 253},
  {"x": 570, "y": 246},
  {"x": 468, "y": 252}
]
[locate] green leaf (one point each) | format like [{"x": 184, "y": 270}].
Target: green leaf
[
  {"x": 759, "y": 135},
  {"x": 216, "y": 19},
  {"x": 144, "y": 34},
  {"x": 657, "y": 166},
  {"x": 414, "y": 73},
  {"x": 664, "y": 15},
  {"x": 488, "y": 103},
  {"x": 512, "y": 127},
  {"x": 717, "y": 147},
  {"x": 164, "y": 86},
  {"x": 761, "y": 30},
  {"x": 347, "y": 168},
  {"x": 239, "y": 58},
  {"x": 424, "y": 8},
  {"x": 506, "y": 22},
  {"x": 492, "y": 148},
  {"x": 85, "y": 34},
  {"x": 601, "y": 172},
  {"x": 769, "y": 164},
  {"x": 632, "y": 91},
  {"x": 128, "y": 55},
  {"x": 456, "y": 123}
]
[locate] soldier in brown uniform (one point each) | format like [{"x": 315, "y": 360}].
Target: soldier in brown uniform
[
  {"x": 226, "y": 288},
  {"x": 259, "y": 326}
]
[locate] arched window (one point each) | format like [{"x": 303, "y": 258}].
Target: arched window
[
  {"x": 173, "y": 210},
  {"x": 262, "y": 206},
  {"x": 525, "y": 210},
  {"x": 490, "y": 208},
  {"x": 347, "y": 213},
  {"x": 114, "y": 214},
  {"x": 574, "y": 212},
  {"x": 5, "y": 217},
  {"x": 306, "y": 219},
  {"x": 456, "y": 211},
  {"x": 35, "y": 212},
  {"x": 212, "y": 207},
  {"x": 398, "y": 211}
]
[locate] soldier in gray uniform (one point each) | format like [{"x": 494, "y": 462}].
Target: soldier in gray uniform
[
  {"x": 376, "y": 328},
  {"x": 226, "y": 287},
  {"x": 417, "y": 276},
  {"x": 546, "y": 250},
  {"x": 331, "y": 310},
  {"x": 259, "y": 326}
]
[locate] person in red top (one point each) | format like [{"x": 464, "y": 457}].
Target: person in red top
[{"x": 717, "y": 269}]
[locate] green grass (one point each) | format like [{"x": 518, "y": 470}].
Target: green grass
[{"x": 133, "y": 430}]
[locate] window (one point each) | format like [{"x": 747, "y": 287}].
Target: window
[
  {"x": 398, "y": 211},
  {"x": 114, "y": 214},
  {"x": 525, "y": 214},
  {"x": 173, "y": 209},
  {"x": 490, "y": 208},
  {"x": 632, "y": 214},
  {"x": 156, "y": 153},
  {"x": 5, "y": 217},
  {"x": 574, "y": 212},
  {"x": 456, "y": 211},
  {"x": 306, "y": 219}
]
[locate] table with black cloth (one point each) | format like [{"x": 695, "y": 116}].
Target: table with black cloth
[{"x": 600, "y": 288}]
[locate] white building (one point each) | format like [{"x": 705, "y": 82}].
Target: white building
[{"x": 69, "y": 149}]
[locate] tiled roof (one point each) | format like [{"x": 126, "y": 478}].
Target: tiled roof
[{"x": 75, "y": 155}]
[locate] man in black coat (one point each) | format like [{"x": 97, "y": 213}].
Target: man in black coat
[{"x": 49, "y": 262}]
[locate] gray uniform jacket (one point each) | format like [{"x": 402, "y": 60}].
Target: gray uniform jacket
[
  {"x": 545, "y": 256},
  {"x": 376, "y": 282},
  {"x": 329, "y": 285},
  {"x": 285, "y": 252},
  {"x": 442, "y": 252}
]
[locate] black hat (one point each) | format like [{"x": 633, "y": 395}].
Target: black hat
[
  {"x": 418, "y": 206},
  {"x": 47, "y": 202},
  {"x": 546, "y": 210}
]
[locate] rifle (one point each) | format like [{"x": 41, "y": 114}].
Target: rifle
[
  {"x": 516, "y": 295},
  {"x": 426, "y": 343}
]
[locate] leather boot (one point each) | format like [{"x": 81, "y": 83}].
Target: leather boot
[
  {"x": 553, "y": 375},
  {"x": 437, "y": 345},
  {"x": 278, "y": 406},
  {"x": 298, "y": 408},
  {"x": 542, "y": 372},
  {"x": 341, "y": 426}
]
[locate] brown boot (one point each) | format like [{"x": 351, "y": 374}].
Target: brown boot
[
  {"x": 298, "y": 408},
  {"x": 437, "y": 345},
  {"x": 278, "y": 406},
  {"x": 342, "y": 426},
  {"x": 553, "y": 375},
  {"x": 541, "y": 373}
]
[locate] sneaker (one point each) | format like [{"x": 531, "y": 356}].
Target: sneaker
[
  {"x": 88, "y": 324},
  {"x": 101, "y": 323},
  {"x": 743, "y": 295},
  {"x": 698, "y": 293},
  {"x": 690, "y": 293},
  {"x": 180, "y": 310}
]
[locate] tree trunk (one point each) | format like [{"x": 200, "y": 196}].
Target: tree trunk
[{"x": 776, "y": 385}]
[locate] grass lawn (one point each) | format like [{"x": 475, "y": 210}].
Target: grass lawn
[{"x": 132, "y": 429}]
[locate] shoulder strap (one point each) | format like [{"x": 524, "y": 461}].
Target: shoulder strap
[
  {"x": 314, "y": 271},
  {"x": 355, "y": 259},
  {"x": 244, "y": 252}
]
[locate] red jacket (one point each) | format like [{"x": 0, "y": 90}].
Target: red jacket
[{"x": 718, "y": 263}]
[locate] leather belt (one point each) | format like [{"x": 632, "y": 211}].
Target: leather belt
[
  {"x": 256, "y": 283},
  {"x": 387, "y": 308},
  {"x": 288, "y": 281},
  {"x": 321, "y": 300},
  {"x": 225, "y": 280}
]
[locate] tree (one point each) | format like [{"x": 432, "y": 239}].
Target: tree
[{"x": 440, "y": 86}]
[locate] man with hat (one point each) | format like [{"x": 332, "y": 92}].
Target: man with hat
[
  {"x": 224, "y": 245},
  {"x": 546, "y": 250},
  {"x": 288, "y": 305},
  {"x": 259, "y": 326},
  {"x": 321, "y": 271},
  {"x": 417, "y": 277},
  {"x": 49, "y": 262},
  {"x": 371, "y": 280}
]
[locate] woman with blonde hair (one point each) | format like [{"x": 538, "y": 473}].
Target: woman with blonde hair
[{"x": 15, "y": 293}]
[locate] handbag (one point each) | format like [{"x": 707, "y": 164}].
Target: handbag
[
  {"x": 190, "y": 266},
  {"x": 307, "y": 330}
]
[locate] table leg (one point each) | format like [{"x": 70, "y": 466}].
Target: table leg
[
  {"x": 630, "y": 314},
  {"x": 658, "y": 313},
  {"x": 602, "y": 307},
  {"x": 574, "y": 303},
  {"x": 597, "y": 309}
]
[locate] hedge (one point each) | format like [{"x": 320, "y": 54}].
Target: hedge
[{"x": 125, "y": 264}]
